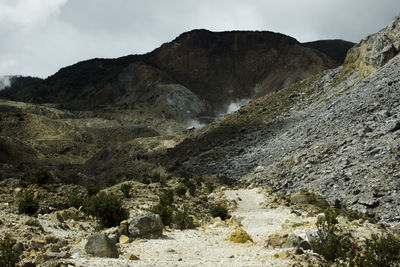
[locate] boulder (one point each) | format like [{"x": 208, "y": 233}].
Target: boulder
[
  {"x": 67, "y": 214},
  {"x": 396, "y": 126},
  {"x": 145, "y": 225},
  {"x": 305, "y": 245},
  {"x": 56, "y": 255},
  {"x": 99, "y": 245},
  {"x": 309, "y": 198},
  {"x": 123, "y": 239},
  {"x": 238, "y": 235},
  {"x": 276, "y": 240},
  {"x": 132, "y": 257},
  {"x": 293, "y": 241}
]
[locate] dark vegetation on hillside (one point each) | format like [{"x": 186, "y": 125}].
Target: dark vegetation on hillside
[{"x": 335, "y": 49}]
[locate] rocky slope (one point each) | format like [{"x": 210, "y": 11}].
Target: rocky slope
[{"x": 334, "y": 133}]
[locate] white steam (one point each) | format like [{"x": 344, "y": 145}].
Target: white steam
[
  {"x": 4, "y": 82},
  {"x": 196, "y": 124},
  {"x": 234, "y": 106}
]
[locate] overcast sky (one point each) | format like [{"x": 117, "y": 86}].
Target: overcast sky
[{"x": 38, "y": 37}]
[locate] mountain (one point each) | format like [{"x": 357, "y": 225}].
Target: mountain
[
  {"x": 198, "y": 73},
  {"x": 335, "y": 133},
  {"x": 335, "y": 49}
]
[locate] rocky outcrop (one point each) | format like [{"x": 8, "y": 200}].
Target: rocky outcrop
[
  {"x": 147, "y": 225},
  {"x": 375, "y": 50},
  {"x": 99, "y": 245}
]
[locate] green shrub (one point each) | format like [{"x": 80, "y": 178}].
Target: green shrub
[
  {"x": 107, "y": 208},
  {"x": 41, "y": 177},
  {"x": 164, "y": 207},
  {"x": 219, "y": 210},
  {"x": 28, "y": 204},
  {"x": 190, "y": 185},
  {"x": 76, "y": 201},
  {"x": 165, "y": 212},
  {"x": 125, "y": 189},
  {"x": 155, "y": 177},
  {"x": 111, "y": 181},
  {"x": 166, "y": 198},
  {"x": 210, "y": 187},
  {"x": 163, "y": 181},
  {"x": 92, "y": 189},
  {"x": 383, "y": 250},
  {"x": 328, "y": 243},
  {"x": 338, "y": 204},
  {"x": 145, "y": 180},
  {"x": 9, "y": 255},
  {"x": 181, "y": 190},
  {"x": 181, "y": 219}
]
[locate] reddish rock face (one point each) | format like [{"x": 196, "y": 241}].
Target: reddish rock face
[{"x": 215, "y": 68}]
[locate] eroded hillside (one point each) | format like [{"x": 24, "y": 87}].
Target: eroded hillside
[{"x": 334, "y": 133}]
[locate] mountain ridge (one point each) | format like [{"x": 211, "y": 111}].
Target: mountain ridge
[{"x": 217, "y": 67}]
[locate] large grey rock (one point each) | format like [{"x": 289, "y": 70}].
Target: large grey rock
[
  {"x": 293, "y": 241},
  {"x": 375, "y": 50},
  {"x": 99, "y": 245},
  {"x": 146, "y": 225}
]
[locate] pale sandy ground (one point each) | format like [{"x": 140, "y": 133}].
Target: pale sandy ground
[{"x": 206, "y": 246}]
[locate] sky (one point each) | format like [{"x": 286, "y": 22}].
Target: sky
[{"x": 38, "y": 37}]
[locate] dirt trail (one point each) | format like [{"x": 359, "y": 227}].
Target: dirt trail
[
  {"x": 206, "y": 246},
  {"x": 257, "y": 220}
]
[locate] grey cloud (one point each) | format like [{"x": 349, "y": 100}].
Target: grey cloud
[{"x": 56, "y": 33}]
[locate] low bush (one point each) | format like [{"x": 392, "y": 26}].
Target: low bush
[
  {"x": 41, "y": 177},
  {"x": 210, "y": 187},
  {"x": 111, "y": 181},
  {"x": 155, "y": 177},
  {"x": 9, "y": 256},
  {"x": 165, "y": 212},
  {"x": 181, "y": 190},
  {"x": 107, "y": 208},
  {"x": 125, "y": 189},
  {"x": 145, "y": 180},
  {"x": 382, "y": 251},
  {"x": 328, "y": 243},
  {"x": 163, "y": 181},
  {"x": 189, "y": 185},
  {"x": 166, "y": 198},
  {"x": 92, "y": 189},
  {"x": 181, "y": 219},
  {"x": 76, "y": 201},
  {"x": 164, "y": 207},
  {"x": 28, "y": 204},
  {"x": 219, "y": 210}
]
